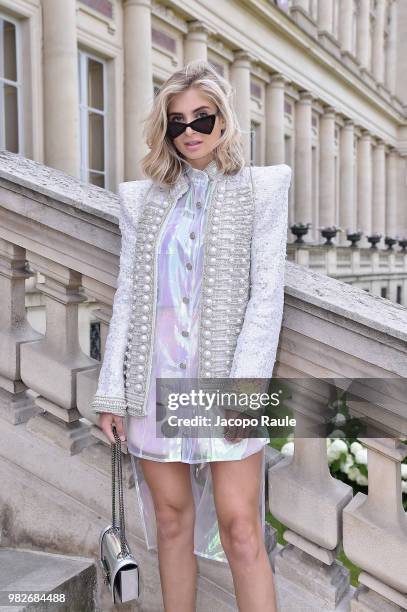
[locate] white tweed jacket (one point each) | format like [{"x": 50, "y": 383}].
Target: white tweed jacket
[{"x": 242, "y": 297}]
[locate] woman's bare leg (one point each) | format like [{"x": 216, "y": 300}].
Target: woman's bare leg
[
  {"x": 170, "y": 486},
  {"x": 236, "y": 486}
]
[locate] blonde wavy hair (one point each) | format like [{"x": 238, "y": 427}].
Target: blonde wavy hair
[{"x": 163, "y": 163}]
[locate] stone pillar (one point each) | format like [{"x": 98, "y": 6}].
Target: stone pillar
[
  {"x": 303, "y": 159},
  {"x": 275, "y": 149},
  {"x": 378, "y": 42},
  {"x": 61, "y": 90},
  {"x": 392, "y": 226},
  {"x": 364, "y": 216},
  {"x": 391, "y": 57},
  {"x": 345, "y": 25},
  {"x": 138, "y": 82},
  {"x": 379, "y": 189},
  {"x": 325, "y": 15},
  {"x": 347, "y": 178},
  {"x": 240, "y": 78},
  {"x": 363, "y": 34},
  {"x": 327, "y": 167},
  {"x": 196, "y": 42}
]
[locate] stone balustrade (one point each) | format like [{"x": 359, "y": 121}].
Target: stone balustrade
[
  {"x": 55, "y": 462},
  {"x": 366, "y": 268}
]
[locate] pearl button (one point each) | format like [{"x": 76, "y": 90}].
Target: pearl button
[
  {"x": 192, "y": 235},
  {"x": 189, "y": 266},
  {"x": 185, "y": 300},
  {"x": 183, "y": 365},
  {"x": 185, "y": 334},
  {"x": 198, "y": 205}
]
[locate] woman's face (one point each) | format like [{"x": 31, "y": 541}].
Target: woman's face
[{"x": 197, "y": 148}]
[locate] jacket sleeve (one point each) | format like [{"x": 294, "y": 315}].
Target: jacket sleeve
[
  {"x": 110, "y": 396},
  {"x": 257, "y": 342}
]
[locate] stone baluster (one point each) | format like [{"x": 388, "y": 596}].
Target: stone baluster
[
  {"x": 15, "y": 405},
  {"x": 49, "y": 366},
  {"x": 375, "y": 531},
  {"x": 306, "y": 568}
]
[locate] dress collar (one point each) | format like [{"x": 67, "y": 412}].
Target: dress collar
[
  {"x": 211, "y": 170},
  {"x": 188, "y": 172}
]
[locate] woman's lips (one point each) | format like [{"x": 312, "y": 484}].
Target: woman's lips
[{"x": 193, "y": 146}]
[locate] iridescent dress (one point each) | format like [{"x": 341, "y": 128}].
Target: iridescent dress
[{"x": 180, "y": 265}]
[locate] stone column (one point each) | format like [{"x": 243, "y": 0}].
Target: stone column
[
  {"x": 303, "y": 159},
  {"x": 61, "y": 91},
  {"x": 391, "y": 57},
  {"x": 325, "y": 15},
  {"x": 327, "y": 167},
  {"x": 363, "y": 34},
  {"x": 364, "y": 213},
  {"x": 378, "y": 42},
  {"x": 275, "y": 150},
  {"x": 138, "y": 82},
  {"x": 240, "y": 78},
  {"x": 347, "y": 177},
  {"x": 345, "y": 25},
  {"x": 392, "y": 226},
  {"x": 196, "y": 42},
  {"x": 379, "y": 189}
]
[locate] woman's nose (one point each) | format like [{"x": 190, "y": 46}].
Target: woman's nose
[{"x": 189, "y": 131}]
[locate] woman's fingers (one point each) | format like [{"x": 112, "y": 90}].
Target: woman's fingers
[
  {"x": 119, "y": 422},
  {"x": 106, "y": 421}
]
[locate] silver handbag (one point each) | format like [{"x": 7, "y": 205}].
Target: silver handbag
[{"x": 120, "y": 568}]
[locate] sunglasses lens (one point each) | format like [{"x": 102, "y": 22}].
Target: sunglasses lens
[
  {"x": 204, "y": 125},
  {"x": 175, "y": 128}
]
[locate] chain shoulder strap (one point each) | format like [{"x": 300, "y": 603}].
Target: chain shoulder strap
[{"x": 118, "y": 484}]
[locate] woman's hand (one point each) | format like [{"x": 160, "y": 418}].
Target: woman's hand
[{"x": 107, "y": 420}]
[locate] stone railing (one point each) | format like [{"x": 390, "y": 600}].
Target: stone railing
[
  {"x": 367, "y": 268},
  {"x": 55, "y": 461}
]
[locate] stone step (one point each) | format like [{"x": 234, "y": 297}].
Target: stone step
[{"x": 23, "y": 571}]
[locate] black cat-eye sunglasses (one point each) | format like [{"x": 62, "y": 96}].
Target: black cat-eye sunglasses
[{"x": 203, "y": 125}]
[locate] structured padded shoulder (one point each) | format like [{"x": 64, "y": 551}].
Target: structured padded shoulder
[{"x": 132, "y": 194}]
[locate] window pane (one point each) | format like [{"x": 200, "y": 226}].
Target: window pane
[
  {"x": 9, "y": 51},
  {"x": 96, "y": 142},
  {"x": 97, "y": 179},
  {"x": 11, "y": 118},
  {"x": 95, "y": 84}
]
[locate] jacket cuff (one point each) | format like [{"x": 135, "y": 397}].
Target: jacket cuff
[{"x": 114, "y": 405}]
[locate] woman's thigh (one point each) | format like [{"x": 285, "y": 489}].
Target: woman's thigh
[
  {"x": 236, "y": 487},
  {"x": 171, "y": 490}
]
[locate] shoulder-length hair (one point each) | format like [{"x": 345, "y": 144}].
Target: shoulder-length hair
[{"x": 163, "y": 163}]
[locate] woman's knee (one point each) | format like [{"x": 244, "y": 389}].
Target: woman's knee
[
  {"x": 241, "y": 537},
  {"x": 174, "y": 522}
]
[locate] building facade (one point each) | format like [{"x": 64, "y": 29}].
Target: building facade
[{"x": 319, "y": 85}]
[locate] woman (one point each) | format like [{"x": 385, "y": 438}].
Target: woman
[{"x": 200, "y": 295}]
